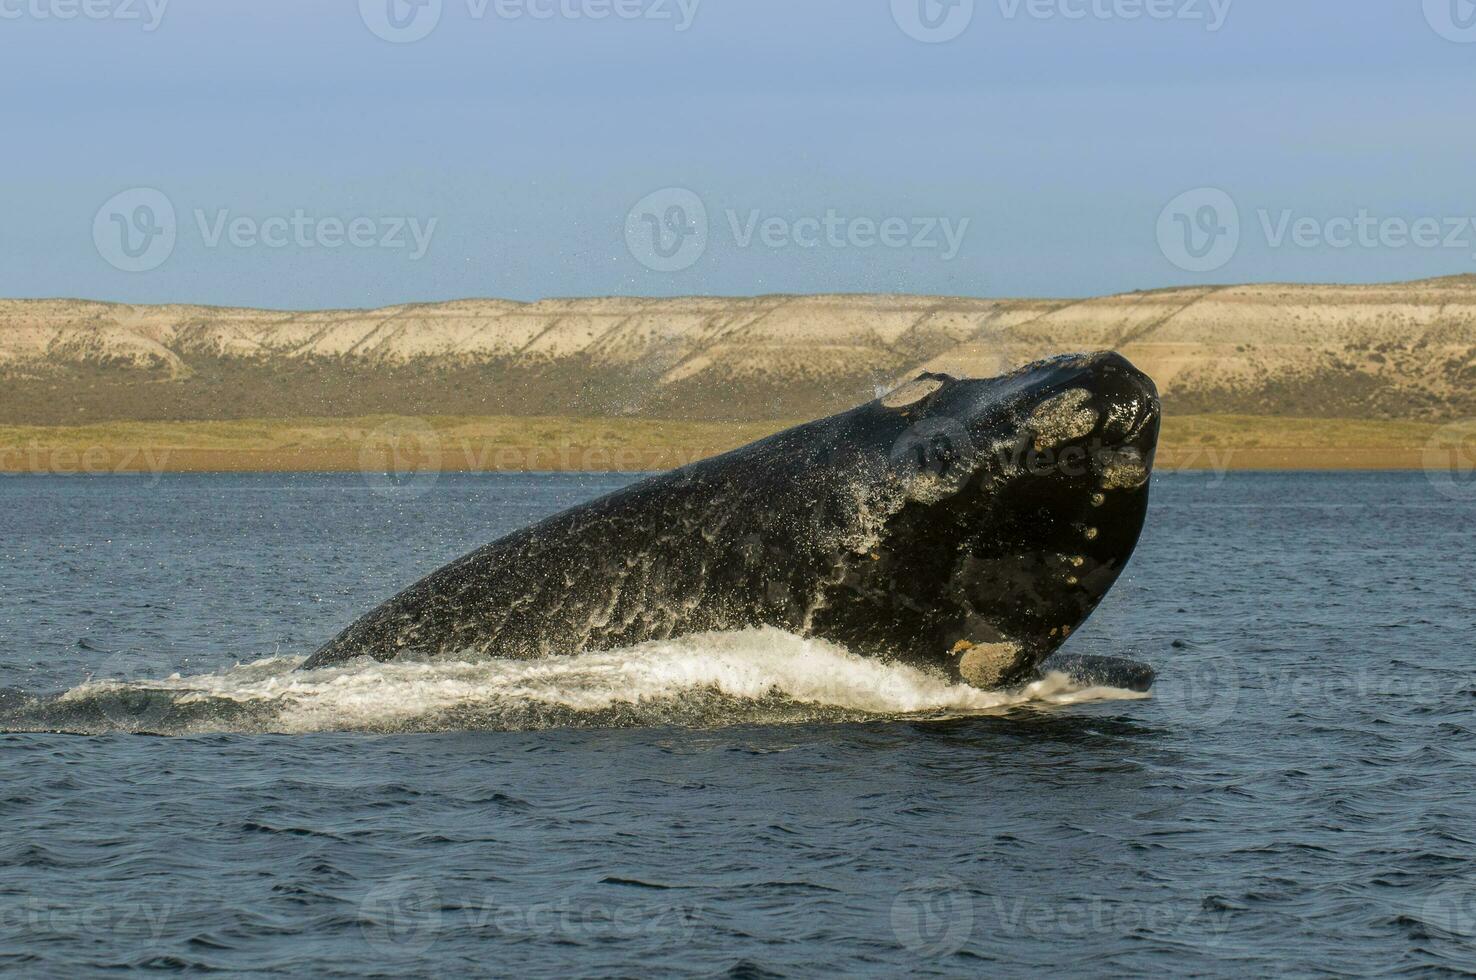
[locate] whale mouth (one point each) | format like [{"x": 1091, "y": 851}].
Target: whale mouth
[
  {"x": 1148, "y": 415},
  {"x": 1140, "y": 434}
]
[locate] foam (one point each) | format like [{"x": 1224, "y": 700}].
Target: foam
[{"x": 709, "y": 680}]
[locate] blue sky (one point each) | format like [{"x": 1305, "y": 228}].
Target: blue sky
[{"x": 1049, "y": 135}]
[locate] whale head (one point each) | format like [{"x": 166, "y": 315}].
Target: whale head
[{"x": 1004, "y": 511}]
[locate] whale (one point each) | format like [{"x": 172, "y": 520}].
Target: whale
[{"x": 967, "y": 526}]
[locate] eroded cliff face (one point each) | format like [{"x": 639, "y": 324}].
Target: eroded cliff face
[{"x": 1386, "y": 351}]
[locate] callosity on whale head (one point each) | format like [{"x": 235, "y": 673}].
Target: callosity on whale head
[{"x": 969, "y": 525}]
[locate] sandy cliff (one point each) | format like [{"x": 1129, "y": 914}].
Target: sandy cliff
[{"x": 1387, "y": 351}]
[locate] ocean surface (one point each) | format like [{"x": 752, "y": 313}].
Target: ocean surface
[{"x": 1296, "y": 797}]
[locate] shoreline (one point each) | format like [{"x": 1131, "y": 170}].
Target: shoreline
[
  {"x": 145, "y": 462},
  {"x": 512, "y": 444}
]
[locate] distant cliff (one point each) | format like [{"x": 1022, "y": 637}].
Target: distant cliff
[{"x": 1388, "y": 351}]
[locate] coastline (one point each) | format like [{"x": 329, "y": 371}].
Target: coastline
[{"x": 380, "y": 444}]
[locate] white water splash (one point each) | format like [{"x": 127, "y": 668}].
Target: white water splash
[{"x": 712, "y": 679}]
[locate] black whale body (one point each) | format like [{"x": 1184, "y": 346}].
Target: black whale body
[{"x": 964, "y": 524}]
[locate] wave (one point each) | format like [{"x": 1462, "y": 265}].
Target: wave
[{"x": 760, "y": 676}]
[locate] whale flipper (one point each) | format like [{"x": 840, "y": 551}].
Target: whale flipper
[{"x": 1118, "y": 672}]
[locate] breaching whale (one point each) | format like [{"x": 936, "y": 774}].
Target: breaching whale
[{"x": 965, "y": 525}]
